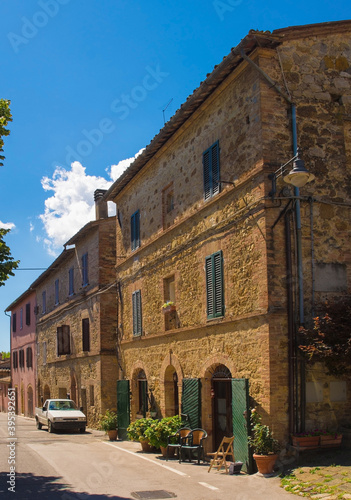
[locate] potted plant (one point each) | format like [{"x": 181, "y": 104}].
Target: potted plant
[
  {"x": 168, "y": 306},
  {"x": 329, "y": 439},
  {"x": 136, "y": 432},
  {"x": 265, "y": 448},
  {"x": 108, "y": 423},
  {"x": 160, "y": 430},
  {"x": 307, "y": 440}
]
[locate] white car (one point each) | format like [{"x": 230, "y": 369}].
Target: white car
[{"x": 60, "y": 414}]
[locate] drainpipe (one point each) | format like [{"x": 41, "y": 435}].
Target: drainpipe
[{"x": 298, "y": 234}]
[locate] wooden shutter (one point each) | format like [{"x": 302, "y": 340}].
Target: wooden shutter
[
  {"x": 191, "y": 401},
  {"x": 28, "y": 314},
  {"x": 135, "y": 230},
  {"x": 137, "y": 317},
  {"x": 63, "y": 340},
  {"x": 241, "y": 422},
  {"x": 86, "y": 334},
  {"x": 123, "y": 407},
  {"x": 14, "y": 322},
  {"x": 214, "y": 285},
  {"x": 71, "y": 281},
  {"x": 85, "y": 278},
  {"x": 210, "y": 161}
]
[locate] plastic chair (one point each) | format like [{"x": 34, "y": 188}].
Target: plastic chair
[
  {"x": 175, "y": 440},
  {"x": 219, "y": 459},
  {"x": 193, "y": 442}
]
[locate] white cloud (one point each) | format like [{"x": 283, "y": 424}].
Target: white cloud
[
  {"x": 72, "y": 204},
  {"x": 7, "y": 225}
]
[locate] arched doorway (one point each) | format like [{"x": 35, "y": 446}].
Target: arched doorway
[
  {"x": 221, "y": 393},
  {"x": 171, "y": 392},
  {"x": 142, "y": 394},
  {"x": 30, "y": 409},
  {"x": 46, "y": 393}
]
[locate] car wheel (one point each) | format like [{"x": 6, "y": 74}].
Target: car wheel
[
  {"x": 50, "y": 427},
  {"x": 38, "y": 424}
]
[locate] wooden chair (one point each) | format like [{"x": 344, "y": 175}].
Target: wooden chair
[
  {"x": 219, "y": 459},
  {"x": 193, "y": 442},
  {"x": 175, "y": 440}
]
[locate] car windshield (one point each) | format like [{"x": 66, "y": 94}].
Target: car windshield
[{"x": 62, "y": 405}]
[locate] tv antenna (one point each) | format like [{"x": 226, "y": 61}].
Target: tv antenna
[{"x": 163, "y": 111}]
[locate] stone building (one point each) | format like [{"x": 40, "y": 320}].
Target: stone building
[
  {"x": 218, "y": 261},
  {"x": 23, "y": 365},
  {"x": 76, "y": 319}
]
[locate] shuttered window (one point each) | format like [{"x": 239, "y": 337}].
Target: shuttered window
[
  {"x": 29, "y": 357},
  {"x": 63, "y": 340},
  {"x": 135, "y": 230},
  {"x": 57, "y": 297},
  {"x": 14, "y": 322},
  {"x": 137, "y": 317},
  {"x": 86, "y": 334},
  {"x": 71, "y": 281},
  {"x": 210, "y": 161},
  {"x": 15, "y": 360},
  {"x": 85, "y": 276},
  {"x": 214, "y": 285},
  {"x": 28, "y": 314}
]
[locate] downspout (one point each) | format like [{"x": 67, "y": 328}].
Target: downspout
[{"x": 298, "y": 228}]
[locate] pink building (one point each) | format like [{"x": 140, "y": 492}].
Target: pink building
[{"x": 23, "y": 364}]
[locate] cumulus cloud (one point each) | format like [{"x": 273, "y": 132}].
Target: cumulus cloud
[
  {"x": 7, "y": 225},
  {"x": 72, "y": 204}
]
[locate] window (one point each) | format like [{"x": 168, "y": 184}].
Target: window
[
  {"x": 27, "y": 314},
  {"x": 29, "y": 357},
  {"x": 91, "y": 395},
  {"x": 14, "y": 322},
  {"x": 71, "y": 281},
  {"x": 85, "y": 278},
  {"x": 44, "y": 301},
  {"x": 214, "y": 285},
  {"x": 168, "y": 212},
  {"x": 137, "y": 318},
  {"x": 135, "y": 230},
  {"x": 210, "y": 161},
  {"x": 21, "y": 318},
  {"x": 21, "y": 358},
  {"x": 63, "y": 340},
  {"x": 57, "y": 283},
  {"x": 86, "y": 334},
  {"x": 15, "y": 360},
  {"x": 44, "y": 353}
]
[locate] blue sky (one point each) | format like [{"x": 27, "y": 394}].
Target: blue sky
[{"x": 89, "y": 81}]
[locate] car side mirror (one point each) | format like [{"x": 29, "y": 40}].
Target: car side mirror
[
  {"x": 44, "y": 409},
  {"x": 81, "y": 409}
]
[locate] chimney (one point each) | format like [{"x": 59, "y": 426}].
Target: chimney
[{"x": 101, "y": 211}]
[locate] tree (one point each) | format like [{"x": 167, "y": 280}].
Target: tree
[
  {"x": 5, "y": 117},
  {"x": 7, "y": 264},
  {"x": 329, "y": 339},
  {"x": 5, "y": 355}
]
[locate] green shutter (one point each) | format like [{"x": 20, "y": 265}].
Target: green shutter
[
  {"x": 214, "y": 285},
  {"x": 137, "y": 314},
  {"x": 241, "y": 412},
  {"x": 123, "y": 407},
  {"x": 210, "y": 161},
  {"x": 191, "y": 401},
  {"x": 135, "y": 230},
  {"x": 215, "y": 168}
]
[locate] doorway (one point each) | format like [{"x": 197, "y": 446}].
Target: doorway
[{"x": 221, "y": 391}]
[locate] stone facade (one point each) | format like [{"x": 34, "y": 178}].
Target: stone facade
[
  {"x": 87, "y": 368},
  {"x": 253, "y": 121}
]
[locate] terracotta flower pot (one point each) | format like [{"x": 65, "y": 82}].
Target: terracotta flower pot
[
  {"x": 145, "y": 446},
  {"x": 328, "y": 441},
  {"x": 265, "y": 463},
  {"x": 112, "y": 435},
  {"x": 306, "y": 442},
  {"x": 164, "y": 451}
]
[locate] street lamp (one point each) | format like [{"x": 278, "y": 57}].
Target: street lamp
[{"x": 298, "y": 175}]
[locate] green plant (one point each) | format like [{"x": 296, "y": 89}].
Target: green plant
[
  {"x": 160, "y": 430},
  {"x": 136, "y": 429},
  {"x": 108, "y": 422},
  {"x": 168, "y": 303},
  {"x": 261, "y": 439}
]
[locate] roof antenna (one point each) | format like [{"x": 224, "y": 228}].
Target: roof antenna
[{"x": 163, "y": 111}]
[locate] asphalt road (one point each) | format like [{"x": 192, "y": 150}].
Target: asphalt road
[{"x": 74, "y": 466}]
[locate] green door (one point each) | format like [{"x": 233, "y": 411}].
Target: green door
[
  {"x": 241, "y": 427},
  {"x": 191, "y": 401},
  {"x": 123, "y": 407}
]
